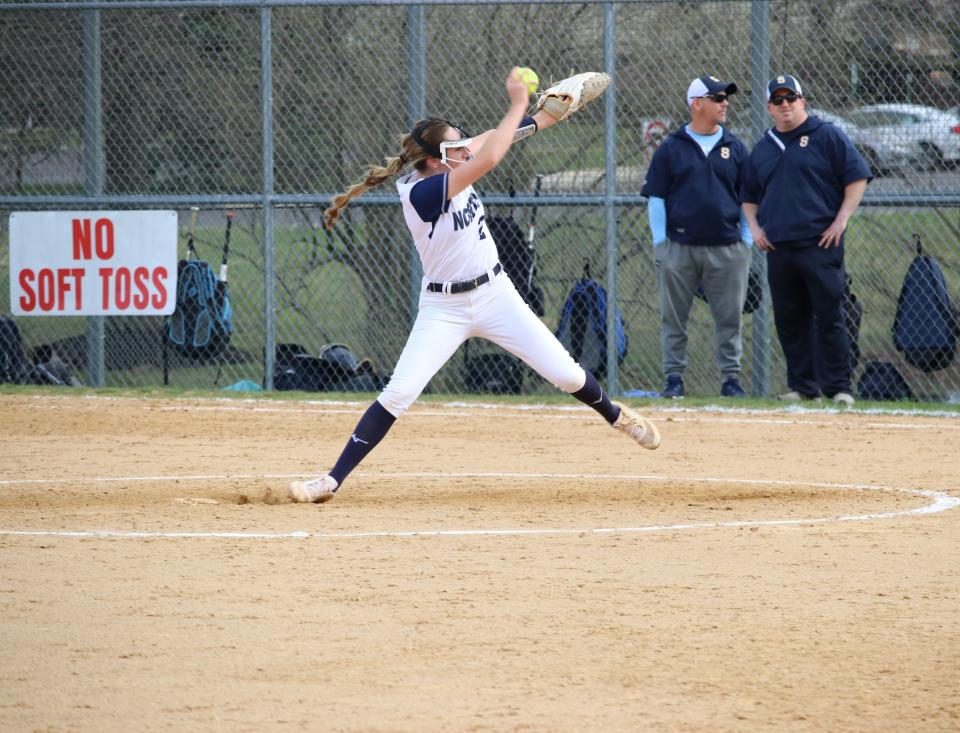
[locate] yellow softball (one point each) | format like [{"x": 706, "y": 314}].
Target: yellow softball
[{"x": 529, "y": 77}]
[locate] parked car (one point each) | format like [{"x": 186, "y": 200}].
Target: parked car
[
  {"x": 935, "y": 132},
  {"x": 882, "y": 154}
]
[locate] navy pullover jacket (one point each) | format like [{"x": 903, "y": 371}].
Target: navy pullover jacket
[
  {"x": 799, "y": 188},
  {"x": 701, "y": 192}
]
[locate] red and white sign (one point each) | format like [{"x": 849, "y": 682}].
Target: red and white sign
[{"x": 93, "y": 263}]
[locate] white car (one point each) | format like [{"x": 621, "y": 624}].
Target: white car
[
  {"x": 882, "y": 154},
  {"x": 934, "y": 131}
]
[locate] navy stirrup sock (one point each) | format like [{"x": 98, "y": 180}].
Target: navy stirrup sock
[
  {"x": 592, "y": 394},
  {"x": 374, "y": 424}
]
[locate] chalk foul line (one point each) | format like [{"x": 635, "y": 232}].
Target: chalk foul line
[{"x": 940, "y": 501}]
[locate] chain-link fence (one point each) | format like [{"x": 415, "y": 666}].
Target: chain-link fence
[{"x": 266, "y": 108}]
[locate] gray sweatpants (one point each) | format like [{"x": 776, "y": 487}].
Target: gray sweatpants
[{"x": 722, "y": 271}]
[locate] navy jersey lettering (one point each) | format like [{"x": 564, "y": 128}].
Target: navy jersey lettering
[{"x": 462, "y": 218}]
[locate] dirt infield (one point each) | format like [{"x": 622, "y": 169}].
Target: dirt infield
[{"x": 488, "y": 569}]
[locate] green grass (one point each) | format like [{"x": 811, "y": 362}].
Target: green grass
[{"x": 553, "y": 399}]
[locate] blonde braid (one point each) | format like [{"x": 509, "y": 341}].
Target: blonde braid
[{"x": 374, "y": 176}]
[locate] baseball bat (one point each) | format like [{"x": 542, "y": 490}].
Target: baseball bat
[
  {"x": 226, "y": 247},
  {"x": 532, "y": 231},
  {"x": 315, "y": 252},
  {"x": 191, "y": 250}
]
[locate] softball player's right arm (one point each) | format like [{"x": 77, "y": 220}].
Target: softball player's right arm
[{"x": 496, "y": 145}]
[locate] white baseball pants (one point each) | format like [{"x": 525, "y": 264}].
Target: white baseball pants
[{"x": 494, "y": 311}]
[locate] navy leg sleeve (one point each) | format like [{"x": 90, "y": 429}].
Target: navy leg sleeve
[
  {"x": 592, "y": 394},
  {"x": 374, "y": 424}
]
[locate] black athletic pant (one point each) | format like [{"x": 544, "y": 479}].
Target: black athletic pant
[{"x": 805, "y": 282}]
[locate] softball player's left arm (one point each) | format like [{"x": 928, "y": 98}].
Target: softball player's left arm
[{"x": 541, "y": 119}]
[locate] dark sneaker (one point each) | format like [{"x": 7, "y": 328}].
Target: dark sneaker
[
  {"x": 732, "y": 388},
  {"x": 674, "y": 388}
]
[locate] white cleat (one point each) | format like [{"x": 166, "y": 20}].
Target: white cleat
[
  {"x": 316, "y": 490},
  {"x": 637, "y": 427},
  {"x": 791, "y": 396},
  {"x": 844, "y": 399}
]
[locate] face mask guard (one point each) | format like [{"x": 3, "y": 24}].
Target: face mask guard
[
  {"x": 451, "y": 145},
  {"x": 440, "y": 152}
]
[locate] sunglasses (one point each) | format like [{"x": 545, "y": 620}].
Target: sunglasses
[
  {"x": 791, "y": 98},
  {"x": 718, "y": 98}
]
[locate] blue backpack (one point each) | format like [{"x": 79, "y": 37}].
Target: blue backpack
[
  {"x": 202, "y": 323},
  {"x": 583, "y": 326},
  {"x": 926, "y": 327}
]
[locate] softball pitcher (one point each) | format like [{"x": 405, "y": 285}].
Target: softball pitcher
[{"x": 465, "y": 292}]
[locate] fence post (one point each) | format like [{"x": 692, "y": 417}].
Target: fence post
[
  {"x": 416, "y": 110},
  {"x": 610, "y": 192},
  {"x": 759, "y": 75},
  {"x": 269, "y": 238},
  {"x": 93, "y": 169}
]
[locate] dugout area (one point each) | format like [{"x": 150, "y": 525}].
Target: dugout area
[{"x": 490, "y": 567}]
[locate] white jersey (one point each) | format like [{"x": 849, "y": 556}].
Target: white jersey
[{"x": 451, "y": 237}]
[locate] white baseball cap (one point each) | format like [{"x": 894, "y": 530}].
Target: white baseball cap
[{"x": 704, "y": 85}]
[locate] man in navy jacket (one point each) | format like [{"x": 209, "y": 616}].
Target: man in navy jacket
[
  {"x": 803, "y": 181},
  {"x": 699, "y": 236}
]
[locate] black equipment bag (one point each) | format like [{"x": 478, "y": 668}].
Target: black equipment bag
[
  {"x": 926, "y": 327},
  {"x": 881, "y": 380},
  {"x": 297, "y": 369},
  {"x": 517, "y": 258},
  {"x": 336, "y": 369},
  {"x": 495, "y": 373},
  {"x": 754, "y": 294},
  {"x": 13, "y": 362},
  {"x": 852, "y": 318}
]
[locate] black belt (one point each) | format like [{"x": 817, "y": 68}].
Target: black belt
[{"x": 466, "y": 285}]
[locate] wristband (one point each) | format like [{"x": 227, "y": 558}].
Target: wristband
[{"x": 527, "y": 127}]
